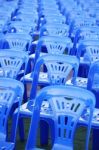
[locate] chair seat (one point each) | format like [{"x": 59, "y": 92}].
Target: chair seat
[
  {"x": 84, "y": 61},
  {"x": 61, "y": 147},
  {"x": 80, "y": 81},
  {"x": 32, "y": 56},
  {"x": 26, "y": 109},
  {"x": 46, "y": 112},
  {"x": 43, "y": 78},
  {"x": 6, "y": 145},
  {"x": 95, "y": 120}
]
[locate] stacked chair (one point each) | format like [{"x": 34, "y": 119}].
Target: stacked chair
[{"x": 54, "y": 46}]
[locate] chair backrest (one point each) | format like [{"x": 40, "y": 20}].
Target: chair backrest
[
  {"x": 20, "y": 27},
  {"x": 30, "y": 17},
  {"x": 85, "y": 22},
  {"x": 11, "y": 62},
  {"x": 17, "y": 41},
  {"x": 58, "y": 68},
  {"x": 58, "y": 18},
  {"x": 54, "y": 45},
  {"x": 10, "y": 91},
  {"x": 68, "y": 104},
  {"x": 55, "y": 30},
  {"x": 89, "y": 33},
  {"x": 92, "y": 53},
  {"x": 93, "y": 76},
  {"x": 83, "y": 44}
]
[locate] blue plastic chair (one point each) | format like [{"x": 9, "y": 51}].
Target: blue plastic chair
[
  {"x": 92, "y": 84},
  {"x": 12, "y": 63},
  {"x": 68, "y": 104},
  {"x": 10, "y": 90},
  {"x": 59, "y": 68}
]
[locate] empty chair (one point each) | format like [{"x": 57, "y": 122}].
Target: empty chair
[
  {"x": 67, "y": 104},
  {"x": 10, "y": 90},
  {"x": 59, "y": 69}
]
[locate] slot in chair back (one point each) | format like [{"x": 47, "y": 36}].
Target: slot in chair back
[{"x": 68, "y": 103}]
